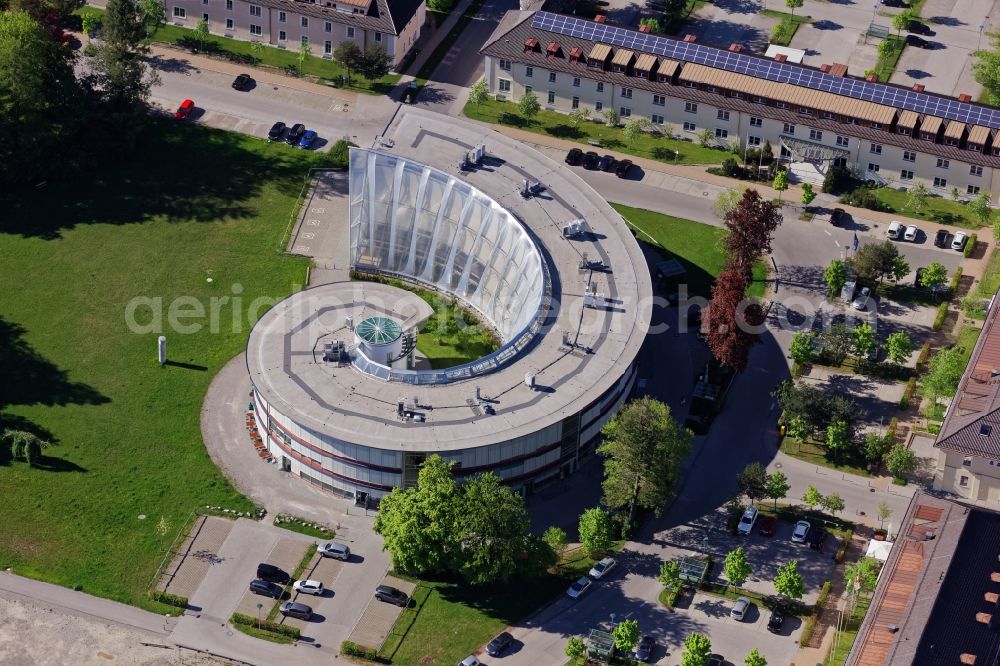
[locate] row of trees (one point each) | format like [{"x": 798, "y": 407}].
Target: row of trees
[
  {"x": 838, "y": 341},
  {"x": 372, "y": 63},
  {"x": 698, "y": 652},
  {"x": 80, "y": 116},
  {"x": 697, "y": 647}
]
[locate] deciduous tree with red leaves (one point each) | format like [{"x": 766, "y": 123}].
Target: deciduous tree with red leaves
[
  {"x": 731, "y": 319},
  {"x": 750, "y": 226}
]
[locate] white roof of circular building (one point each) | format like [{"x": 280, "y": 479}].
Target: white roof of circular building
[{"x": 349, "y": 405}]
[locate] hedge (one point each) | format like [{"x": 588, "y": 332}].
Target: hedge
[
  {"x": 352, "y": 649},
  {"x": 266, "y": 625},
  {"x": 925, "y": 352},
  {"x": 955, "y": 279},
  {"x": 169, "y": 599},
  {"x": 939, "y": 317},
  {"x": 911, "y": 386},
  {"x": 842, "y": 551},
  {"x": 810, "y": 622},
  {"x": 970, "y": 246}
]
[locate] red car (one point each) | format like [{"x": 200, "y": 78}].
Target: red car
[
  {"x": 184, "y": 110},
  {"x": 767, "y": 525}
]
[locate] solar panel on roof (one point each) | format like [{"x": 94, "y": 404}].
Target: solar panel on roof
[{"x": 767, "y": 69}]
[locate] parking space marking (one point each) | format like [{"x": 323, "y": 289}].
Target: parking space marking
[
  {"x": 313, "y": 223},
  {"x": 308, "y": 235}
]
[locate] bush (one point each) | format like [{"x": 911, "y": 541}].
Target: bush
[
  {"x": 911, "y": 386},
  {"x": 955, "y": 279},
  {"x": 838, "y": 179},
  {"x": 266, "y": 625},
  {"x": 842, "y": 551},
  {"x": 970, "y": 246},
  {"x": 352, "y": 649},
  {"x": 90, "y": 50},
  {"x": 339, "y": 154},
  {"x": 925, "y": 352},
  {"x": 169, "y": 599},
  {"x": 864, "y": 196},
  {"x": 939, "y": 318}
]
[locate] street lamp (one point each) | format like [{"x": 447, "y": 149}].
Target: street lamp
[
  {"x": 612, "y": 622},
  {"x": 259, "y": 606}
]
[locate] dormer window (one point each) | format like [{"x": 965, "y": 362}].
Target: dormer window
[
  {"x": 553, "y": 50},
  {"x": 576, "y": 54},
  {"x": 530, "y": 44}
]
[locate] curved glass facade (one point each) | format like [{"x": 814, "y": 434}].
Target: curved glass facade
[{"x": 424, "y": 225}]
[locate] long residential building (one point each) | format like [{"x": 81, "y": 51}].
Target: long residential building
[
  {"x": 814, "y": 117},
  {"x": 320, "y": 24}
]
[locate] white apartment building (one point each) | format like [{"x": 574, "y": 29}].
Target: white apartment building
[
  {"x": 568, "y": 66},
  {"x": 322, "y": 24}
]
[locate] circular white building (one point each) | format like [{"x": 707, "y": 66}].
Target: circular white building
[{"x": 334, "y": 389}]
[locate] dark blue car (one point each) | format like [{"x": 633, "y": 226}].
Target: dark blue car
[{"x": 307, "y": 139}]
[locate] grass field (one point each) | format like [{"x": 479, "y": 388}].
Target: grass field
[
  {"x": 845, "y": 640},
  {"x": 559, "y": 125},
  {"x": 451, "y": 336},
  {"x": 938, "y": 209},
  {"x": 886, "y": 64},
  {"x": 696, "y": 245},
  {"x": 190, "y": 204}
]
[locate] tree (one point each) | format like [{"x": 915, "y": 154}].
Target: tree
[
  {"x": 885, "y": 49},
  {"x": 900, "y": 460},
  {"x": 37, "y": 89},
  {"x": 732, "y": 319},
  {"x": 812, "y": 497},
  {"x": 755, "y": 658},
  {"x": 528, "y": 106},
  {"x": 697, "y": 650},
  {"x": 596, "y": 531},
  {"x": 654, "y": 25},
  {"x": 419, "y": 525},
  {"x": 838, "y": 341},
  {"x": 24, "y": 445},
  {"x": 934, "y": 275},
  {"x": 202, "y": 33},
  {"x": 884, "y": 511},
  {"x": 750, "y": 227},
  {"x": 838, "y": 438},
  {"x": 611, "y": 117},
  {"x": 798, "y": 428},
  {"x": 626, "y": 635},
  {"x": 955, "y": 194},
  {"x": 803, "y": 347},
  {"x": 835, "y": 276},
  {"x": 876, "y": 446},
  {"x": 89, "y": 23},
  {"x": 793, "y": 5},
  {"x": 788, "y": 581},
  {"x": 987, "y": 70},
  {"x": 898, "y": 347},
  {"x": 349, "y": 56},
  {"x": 634, "y": 128},
  {"x": 152, "y": 13},
  {"x": 816, "y": 408},
  {"x": 737, "y": 568},
  {"x": 861, "y": 575},
  {"x": 575, "y": 647},
  {"x": 753, "y": 481},
  {"x": 726, "y": 201},
  {"x": 304, "y": 53},
  {"x": 864, "y": 340},
  {"x": 643, "y": 448},
  {"x": 902, "y": 20},
  {"x": 981, "y": 207},
  {"x": 833, "y": 503},
  {"x": 807, "y": 194},
  {"x": 706, "y": 136},
  {"x": 479, "y": 93},
  {"x": 944, "y": 372},
  {"x": 375, "y": 63},
  {"x": 491, "y": 527},
  {"x": 780, "y": 182},
  {"x": 670, "y": 575},
  {"x": 916, "y": 200},
  {"x": 555, "y": 538},
  {"x": 876, "y": 261},
  {"x": 578, "y": 115},
  {"x": 777, "y": 487}
]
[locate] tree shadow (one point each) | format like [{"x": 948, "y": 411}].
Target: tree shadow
[
  {"x": 565, "y": 132},
  {"x": 162, "y": 179}
]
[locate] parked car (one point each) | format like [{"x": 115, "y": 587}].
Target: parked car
[
  {"x": 242, "y": 82},
  {"x": 266, "y": 588},
  {"x": 747, "y": 521},
  {"x": 816, "y": 539},
  {"x": 837, "y": 217},
  {"x": 590, "y": 160},
  {"x": 606, "y": 163},
  {"x": 313, "y": 587},
  {"x": 776, "y": 620},
  {"x": 391, "y": 595},
  {"x": 861, "y": 300},
  {"x": 740, "y": 609},
  {"x": 574, "y": 157},
  {"x": 920, "y": 28},
  {"x": 716, "y": 660},
  {"x": 272, "y": 573},
  {"x": 497, "y": 646},
  {"x": 893, "y": 230},
  {"x": 958, "y": 240},
  {"x": 471, "y": 660},
  {"x": 308, "y": 137},
  {"x": 767, "y": 524},
  {"x": 295, "y": 133},
  {"x": 644, "y": 650},
  {"x": 800, "y": 531},
  {"x": 337, "y": 551},
  {"x": 295, "y": 609},
  {"x": 941, "y": 238},
  {"x": 919, "y": 42},
  {"x": 579, "y": 587},
  {"x": 185, "y": 110},
  {"x": 410, "y": 93},
  {"x": 603, "y": 567},
  {"x": 911, "y": 233},
  {"x": 277, "y": 132},
  {"x": 622, "y": 169}
]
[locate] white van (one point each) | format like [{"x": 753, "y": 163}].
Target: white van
[
  {"x": 894, "y": 230},
  {"x": 747, "y": 521}
]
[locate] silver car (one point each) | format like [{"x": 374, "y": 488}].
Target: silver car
[
  {"x": 800, "y": 531},
  {"x": 861, "y": 300},
  {"x": 740, "y": 609},
  {"x": 337, "y": 551}
]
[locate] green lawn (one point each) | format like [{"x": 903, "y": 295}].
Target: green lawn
[
  {"x": 784, "y": 30},
  {"x": 845, "y": 640},
  {"x": 813, "y": 453},
  {"x": 991, "y": 278},
  {"x": 559, "y": 125},
  {"x": 938, "y": 209},
  {"x": 887, "y": 65},
  {"x": 452, "y": 335},
  {"x": 696, "y": 245},
  {"x": 190, "y": 204}
]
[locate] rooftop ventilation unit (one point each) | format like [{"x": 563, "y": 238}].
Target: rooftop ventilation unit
[
  {"x": 349, "y": 322},
  {"x": 575, "y": 228},
  {"x": 529, "y": 380}
]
